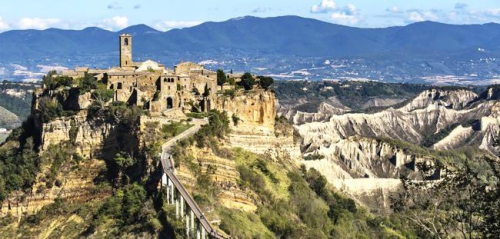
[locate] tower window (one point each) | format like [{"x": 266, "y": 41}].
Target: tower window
[{"x": 126, "y": 42}]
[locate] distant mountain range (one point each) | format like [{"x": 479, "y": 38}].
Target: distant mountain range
[{"x": 283, "y": 37}]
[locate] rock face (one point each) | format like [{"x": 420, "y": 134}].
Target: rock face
[
  {"x": 223, "y": 172},
  {"x": 420, "y": 117},
  {"x": 76, "y": 185},
  {"x": 88, "y": 137},
  {"x": 354, "y": 153},
  {"x": 324, "y": 112},
  {"x": 454, "y": 99},
  {"x": 254, "y": 108},
  {"x": 255, "y": 130}
]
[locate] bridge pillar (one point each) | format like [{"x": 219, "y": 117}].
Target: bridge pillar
[
  {"x": 182, "y": 206},
  {"x": 202, "y": 233},
  {"x": 198, "y": 230},
  {"x": 172, "y": 188},
  {"x": 192, "y": 220},
  {"x": 177, "y": 209},
  {"x": 187, "y": 228},
  {"x": 168, "y": 194},
  {"x": 164, "y": 179}
]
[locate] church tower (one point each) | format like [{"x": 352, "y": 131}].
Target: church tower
[{"x": 126, "y": 51}]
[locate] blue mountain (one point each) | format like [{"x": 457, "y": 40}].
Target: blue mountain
[{"x": 281, "y": 36}]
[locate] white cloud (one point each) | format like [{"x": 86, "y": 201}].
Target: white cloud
[
  {"x": 348, "y": 15},
  {"x": 167, "y": 25},
  {"x": 114, "y": 23},
  {"x": 420, "y": 16},
  {"x": 393, "y": 9},
  {"x": 494, "y": 12},
  {"x": 343, "y": 18},
  {"x": 38, "y": 23},
  {"x": 324, "y": 7},
  {"x": 350, "y": 10},
  {"x": 3, "y": 25}
]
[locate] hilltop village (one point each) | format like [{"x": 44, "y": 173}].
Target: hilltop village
[{"x": 188, "y": 87}]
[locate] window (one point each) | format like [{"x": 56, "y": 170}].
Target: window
[
  {"x": 119, "y": 87},
  {"x": 126, "y": 42}
]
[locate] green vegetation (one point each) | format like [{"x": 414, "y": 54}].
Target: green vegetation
[
  {"x": 221, "y": 77},
  {"x": 217, "y": 128},
  {"x": 265, "y": 81},
  {"x": 230, "y": 93},
  {"x": 314, "y": 156},
  {"x": 173, "y": 129},
  {"x": 235, "y": 119},
  {"x": 51, "y": 81},
  {"x": 197, "y": 115},
  {"x": 19, "y": 105},
  {"x": 350, "y": 93},
  {"x": 298, "y": 203},
  {"x": 282, "y": 127},
  {"x": 466, "y": 203},
  {"x": 19, "y": 163},
  {"x": 430, "y": 140},
  {"x": 247, "y": 81}
]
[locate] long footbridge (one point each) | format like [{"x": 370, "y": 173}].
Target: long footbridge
[{"x": 186, "y": 208}]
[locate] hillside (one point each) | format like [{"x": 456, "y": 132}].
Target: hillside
[{"x": 80, "y": 167}]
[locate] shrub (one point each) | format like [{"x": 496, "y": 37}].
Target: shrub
[{"x": 247, "y": 81}]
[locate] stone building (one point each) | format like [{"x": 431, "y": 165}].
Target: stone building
[{"x": 188, "y": 87}]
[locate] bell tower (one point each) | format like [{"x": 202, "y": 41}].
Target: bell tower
[{"x": 126, "y": 51}]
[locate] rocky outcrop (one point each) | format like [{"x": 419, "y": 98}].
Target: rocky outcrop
[
  {"x": 222, "y": 171},
  {"x": 256, "y": 110},
  {"x": 410, "y": 123},
  {"x": 87, "y": 136},
  {"x": 358, "y": 162},
  {"x": 253, "y": 108},
  {"x": 324, "y": 112},
  {"x": 77, "y": 185},
  {"x": 454, "y": 99}
]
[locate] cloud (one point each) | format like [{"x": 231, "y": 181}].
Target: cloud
[
  {"x": 460, "y": 6},
  {"x": 393, "y": 9},
  {"x": 420, "y": 16},
  {"x": 324, "y": 7},
  {"x": 114, "y": 6},
  {"x": 138, "y": 6},
  {"x": 168, "y": 25},
  {"x": 494, "y": 12},
  {"x": 114, "y": 23},
  {"x": 38, "y": 23},
  {"x": 260, "y": 10},
  {"x": 347, "y": 15},
  {"x": 3, "y": 25}
]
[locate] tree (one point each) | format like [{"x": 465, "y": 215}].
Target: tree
[
  {"x": 221, "y": 77},
  {"x": 464, "y": 204},
  {"x": 247, "y": 81},
  {"x": 265, "y": 81}
]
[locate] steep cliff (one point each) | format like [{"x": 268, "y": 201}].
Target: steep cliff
[
  {"x": 357, "y": 161},
  {"x": 253, "y": 126}
]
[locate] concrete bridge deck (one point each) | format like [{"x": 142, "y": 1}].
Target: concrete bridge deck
[{"x": 173, "y": 184}]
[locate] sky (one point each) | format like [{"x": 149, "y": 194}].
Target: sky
[{"x": 168, "y": 14}]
